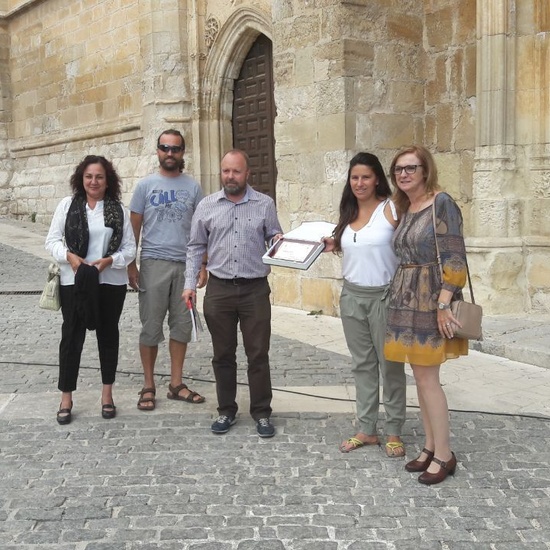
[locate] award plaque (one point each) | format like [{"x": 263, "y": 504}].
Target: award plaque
[
  {"x": 299, "y": 248},
  {"x": 293, "y": 253}
]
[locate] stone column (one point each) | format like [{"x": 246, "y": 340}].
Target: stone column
[
  {"x": 534, "y": 135},
  {"x": 496, "y": 213},
  {"x": 509, "y": 252}
]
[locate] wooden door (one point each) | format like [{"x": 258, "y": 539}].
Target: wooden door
[{"x": 254, "y": 115}]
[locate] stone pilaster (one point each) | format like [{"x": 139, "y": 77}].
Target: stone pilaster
[{"x": 510, "y": 215}]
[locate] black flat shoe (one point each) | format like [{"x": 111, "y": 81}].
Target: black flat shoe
[
  {"x": 64, "y": 416},
  {"x": 108, "y": 411}
]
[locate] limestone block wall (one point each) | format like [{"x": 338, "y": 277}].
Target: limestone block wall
[
  {"x": 87, "y": 77},
  {"x": 75, "y": 89},
  {"x": 469, "y": 79},
  {"x": 365, "y": 75},
  {"x": 312, "y": 129},
  {"x": 450, "y": 95}
]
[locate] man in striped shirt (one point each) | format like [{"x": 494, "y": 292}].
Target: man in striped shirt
[{"x": 234, "y": 226}]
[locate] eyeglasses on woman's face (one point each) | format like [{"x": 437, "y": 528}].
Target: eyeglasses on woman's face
[{"x": 409, "y": 169}]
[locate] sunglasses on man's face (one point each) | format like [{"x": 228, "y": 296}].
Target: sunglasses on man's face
[{"x": 169, "y": 148}]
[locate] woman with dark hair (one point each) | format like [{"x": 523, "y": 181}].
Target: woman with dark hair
[
  {"x": 92, "y": 240},
  {"x": 420, "y": 322},
  {"x": 363, "y": 235}
]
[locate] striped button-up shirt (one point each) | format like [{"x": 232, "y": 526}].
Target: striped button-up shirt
[{"x": 234, "y": 235}]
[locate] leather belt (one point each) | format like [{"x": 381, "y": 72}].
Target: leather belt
[
  {"x": 408, "y": 266},
  {"x": 236, "y": 281}
]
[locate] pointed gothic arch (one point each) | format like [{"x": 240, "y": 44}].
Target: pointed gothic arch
[{"x": 223, "y": 66}]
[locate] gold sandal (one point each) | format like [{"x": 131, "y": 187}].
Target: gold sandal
[
  {"x": 395, "y": 449},
  {"x": 354, "y": 443}
]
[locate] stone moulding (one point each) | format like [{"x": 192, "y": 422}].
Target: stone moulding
[
  {"x": 234, "y": 39},
  {"x": 178, "y": 120},
  {"x": 44, "y": 145},
  {"x": 479, "y": 244},
  {"x": 540, "y": 163},
  {"x": 23, "y": 5}
]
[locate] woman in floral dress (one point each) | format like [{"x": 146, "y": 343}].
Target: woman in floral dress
[{"x": 420, "y": 325}]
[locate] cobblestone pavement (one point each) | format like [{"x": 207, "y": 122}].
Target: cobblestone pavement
[{"x": 161, "y": 480}]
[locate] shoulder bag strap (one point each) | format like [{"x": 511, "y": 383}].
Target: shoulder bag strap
[{"x": 439, "y": 256}]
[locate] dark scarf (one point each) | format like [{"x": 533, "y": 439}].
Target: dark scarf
[{"x": 76, "y": 225}]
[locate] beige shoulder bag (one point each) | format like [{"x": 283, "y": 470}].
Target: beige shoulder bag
[{"x": 468, "y": 314}]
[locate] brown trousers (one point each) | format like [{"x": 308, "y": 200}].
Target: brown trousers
[{"x": 227, "y": 304}]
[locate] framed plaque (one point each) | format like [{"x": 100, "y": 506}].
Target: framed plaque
[
  {"x": 300, "y": 247},
  {"x": 293, "y": 253}
]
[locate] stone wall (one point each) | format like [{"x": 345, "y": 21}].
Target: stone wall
[
  {"x": 75, "y": 87},
  {"x": 88, "y": 77},
  {"x": 5, "y": 116},
  {"x": 470, "y": 80},
  {"x": 403, "y": 72}
]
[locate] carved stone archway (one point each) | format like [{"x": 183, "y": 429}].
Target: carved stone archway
[{"x": 223, "y": 65}]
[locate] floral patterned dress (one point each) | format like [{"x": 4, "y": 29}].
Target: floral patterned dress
[{"x": 412, "y": 333}]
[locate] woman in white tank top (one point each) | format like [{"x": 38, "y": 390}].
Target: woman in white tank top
[{"x": 363, "y": 235}]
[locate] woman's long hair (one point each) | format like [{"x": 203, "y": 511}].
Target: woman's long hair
[
  {"x": 113, "y": 181},
  {"x": 427, "y": 161},
  {"x": 349, "y": 207}
]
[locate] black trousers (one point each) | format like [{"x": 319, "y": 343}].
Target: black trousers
[
  {"x": 225, "y": 306},
  {"x": 73, "y": 335}
]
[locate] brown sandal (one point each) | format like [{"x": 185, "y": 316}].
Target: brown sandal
[
  {"x": 174, "y": 393},
  {"x": 143, "y": 402}
]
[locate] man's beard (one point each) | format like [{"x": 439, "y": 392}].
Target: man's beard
[
  {"x": 173, "y": 166},
  {"x": 233, "y": 190}
]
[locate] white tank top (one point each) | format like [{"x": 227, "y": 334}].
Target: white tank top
[{"x": 369, "y": 259}]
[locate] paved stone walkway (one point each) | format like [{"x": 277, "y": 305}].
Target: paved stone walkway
[{"x": 161, "y": 480}]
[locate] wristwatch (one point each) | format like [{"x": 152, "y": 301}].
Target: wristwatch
[{"x": 441, "y": 305}]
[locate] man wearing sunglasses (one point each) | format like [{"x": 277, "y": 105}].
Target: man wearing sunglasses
[{"x": 160, "y": 211}]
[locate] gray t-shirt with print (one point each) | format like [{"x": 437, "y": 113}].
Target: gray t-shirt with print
[{"x": 167, "y": 205}]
